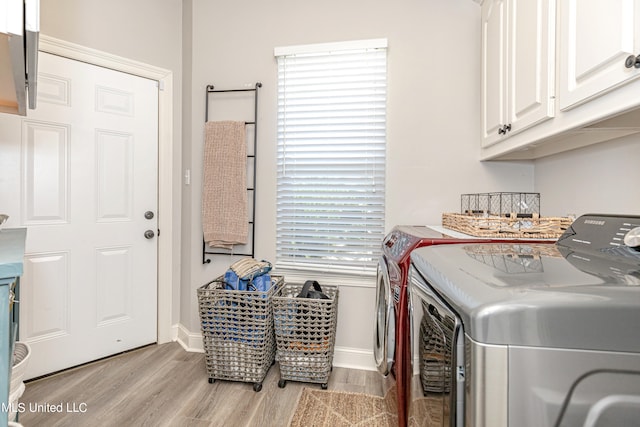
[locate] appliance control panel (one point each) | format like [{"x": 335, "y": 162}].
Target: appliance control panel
[
  {"x": 397, "y": 243},
  {"x": 604, "y": 245},
  {"x": 601, "y": 233}
]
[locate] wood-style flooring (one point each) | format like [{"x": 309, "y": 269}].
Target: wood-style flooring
[{"x": 164, "y": 385}]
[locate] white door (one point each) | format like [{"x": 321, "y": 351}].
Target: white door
[
  {"x": 80, "y": 172},
  {"x": 596, "y": 37}
]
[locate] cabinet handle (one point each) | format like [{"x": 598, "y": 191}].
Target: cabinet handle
[
  {"x": 504, "y": 129},
  {"x": 632, "y": 61}
]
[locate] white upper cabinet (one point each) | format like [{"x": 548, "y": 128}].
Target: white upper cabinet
[
  {"x": 517, "y": 66},
  {"x": 596, "y": 38},
  {"x": 558, "y": 75}
]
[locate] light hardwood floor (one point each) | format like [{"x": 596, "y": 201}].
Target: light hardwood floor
[{"x": 163, "y": 385}]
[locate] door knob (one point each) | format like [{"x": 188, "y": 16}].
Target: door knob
[
  {"x": 148, "y": 215},
  {"x": 149, "y": 234},
  {"x": 632, "y": 61}
]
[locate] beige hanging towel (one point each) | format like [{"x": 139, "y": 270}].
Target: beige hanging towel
[{"x": 224, "y": 189}]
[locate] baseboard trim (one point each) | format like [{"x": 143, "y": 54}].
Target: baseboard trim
[
  {"x": 189, "y": 341},
  {"x": 353, "y": 358},
  {"x": 343, "y": 357}
]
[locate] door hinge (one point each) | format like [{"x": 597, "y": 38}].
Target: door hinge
[{"x": 160, "y": 84}]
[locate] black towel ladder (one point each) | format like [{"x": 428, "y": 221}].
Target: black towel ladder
[{"x": 206, "y": 250}]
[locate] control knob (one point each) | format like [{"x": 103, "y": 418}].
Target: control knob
[{"x": 632, "y": 238}]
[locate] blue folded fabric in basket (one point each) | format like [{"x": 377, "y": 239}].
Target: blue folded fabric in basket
[
  {"x": 261, "y": 283},
  {"x": 233, "y": 283},
  {"x": 240, "y": 329}
]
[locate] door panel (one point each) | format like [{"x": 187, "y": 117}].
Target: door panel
[
  {"x": 87, "y": 173},
  {"x": 114, "y": 174},
  {"x": 45, "y": 178},
  {"x": 531, "y": 63},
  {"x": 48, "y": 273}
]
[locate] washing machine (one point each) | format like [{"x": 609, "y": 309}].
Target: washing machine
[
  {"x": 391, "y": 330},
  {"x": 523, "y": 334}
]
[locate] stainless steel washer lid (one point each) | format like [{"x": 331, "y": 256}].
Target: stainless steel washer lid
[{"x": 530, "y": 295}]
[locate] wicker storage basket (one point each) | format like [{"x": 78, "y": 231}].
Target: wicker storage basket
[
  {"x": 505, "y": 215},
  {"x": 21, "y": 356},
  {"x": 305, "y": 331},
  {"x": 237, "y": 331},
  {"x": 509, "y": 227}
]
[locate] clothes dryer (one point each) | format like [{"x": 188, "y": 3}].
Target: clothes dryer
[{"x": 515, "y": 334}]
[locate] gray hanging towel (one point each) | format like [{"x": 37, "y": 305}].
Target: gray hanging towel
[{"x": 224, "y": 189}]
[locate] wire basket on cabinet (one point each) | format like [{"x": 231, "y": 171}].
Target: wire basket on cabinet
[
  {"x": 504, "y": 215},
  {"x": 305, "y": 330},
  {"x": 237, "y": 331},
  {"x": 523, "y": 205}
]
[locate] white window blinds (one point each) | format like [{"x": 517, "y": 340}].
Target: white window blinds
[{"x": 331, "y": 156}]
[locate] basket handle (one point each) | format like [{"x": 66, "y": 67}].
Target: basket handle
[{"x": 315, "y": 293}]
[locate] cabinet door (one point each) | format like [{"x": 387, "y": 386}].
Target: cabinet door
[
  {"x": 596, "y": 36},
  {"x": 494, "y": 84},
  {"x": 517, "y": 66},
  {"x": 530, "y": 63}
]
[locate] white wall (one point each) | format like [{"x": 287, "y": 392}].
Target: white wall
[
  {"x": 144, "y": 30},
  {"x": 433, "y": 118},
  {"x": 601, "y": 178}
]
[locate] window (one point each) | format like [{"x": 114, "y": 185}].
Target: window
[{"x": 331, "y": 156}]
